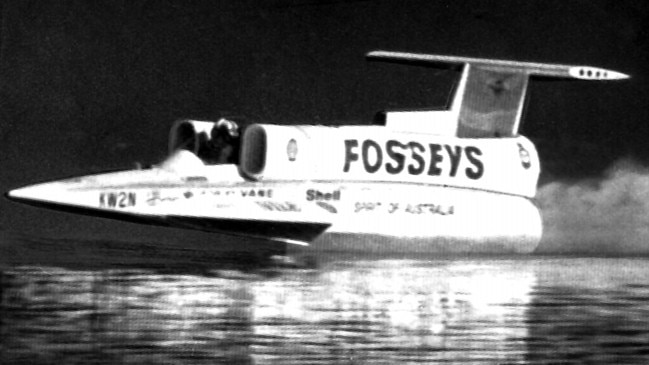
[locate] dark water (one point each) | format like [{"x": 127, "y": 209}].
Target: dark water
[{"x": 523, "y": 310}]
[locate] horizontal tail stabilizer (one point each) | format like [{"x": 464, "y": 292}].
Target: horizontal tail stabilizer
[
  {"x": 490, "y": 97},
  {"x": 529, "y": 68}
]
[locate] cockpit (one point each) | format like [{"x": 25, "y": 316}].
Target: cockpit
[{"x": 214, "y": 143}]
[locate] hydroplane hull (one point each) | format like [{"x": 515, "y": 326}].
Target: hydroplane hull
[
  {"x": 455, "y": 181},
  {"x": 325, "y": 215}
]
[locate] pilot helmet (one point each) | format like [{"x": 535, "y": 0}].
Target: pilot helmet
[{"x": 227, "y": 128}]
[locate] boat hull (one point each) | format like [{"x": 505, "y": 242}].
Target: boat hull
[{"x": 372, "y": 217}]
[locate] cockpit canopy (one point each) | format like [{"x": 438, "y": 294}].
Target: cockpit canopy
[{"x": 213, "y": 142}]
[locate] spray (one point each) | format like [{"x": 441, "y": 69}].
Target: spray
[{"x": 607, "y": 216}]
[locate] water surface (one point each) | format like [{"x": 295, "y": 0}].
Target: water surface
[{"x": 524, "y": 310}]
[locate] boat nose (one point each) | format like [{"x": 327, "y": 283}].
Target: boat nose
[
  {"x": 55, "y": 192},
  {"x": 38, "y": 192}
]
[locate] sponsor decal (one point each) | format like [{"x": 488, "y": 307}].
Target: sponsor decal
[
  {"x": 525, "y": 156},
  {"x": 365, "y": 206},
  {"x": 392, "y": 208},
  {"x": 119, "y": 199},
  {"x": 245, "y": 193},
  {"x": 328, "y": 207},
  {"x": 279, "y": 206},
  {"x": 291, "y": 149},
  {"x": 257, "y": 193},
  {"x": 223, "y": 192},
  {"x": 414, "y": 158},
  {"x": 317, "y": 195},
  {"x": 430, "y": 209},
  {"x": 154, "y": 197}
]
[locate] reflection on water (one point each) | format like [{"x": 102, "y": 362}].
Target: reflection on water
[
  {"x": 590, "y": 311},
  {"x": 521, "y": 310}
]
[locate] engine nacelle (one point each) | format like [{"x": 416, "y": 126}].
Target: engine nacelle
[
  {"x": 372, "y": 153},
  {"x": 189, "y": 135}
]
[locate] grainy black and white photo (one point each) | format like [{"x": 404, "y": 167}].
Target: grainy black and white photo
[{"x": 324, "y": 182}]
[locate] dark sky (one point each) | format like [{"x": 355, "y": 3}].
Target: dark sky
[{"x": 89, "y": 86}]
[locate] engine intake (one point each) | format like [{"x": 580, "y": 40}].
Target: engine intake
[{"x": 212, "y": 142}]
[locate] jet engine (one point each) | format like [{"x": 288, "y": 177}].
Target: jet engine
[{"x": 380, "y": 154}]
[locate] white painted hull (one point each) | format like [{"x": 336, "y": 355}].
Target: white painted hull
[
  {"x": 331, "y": 216},
  {"x": 481, "y": 222}
]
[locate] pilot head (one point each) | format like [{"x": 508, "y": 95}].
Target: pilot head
[{"x": 226, "y": 129}]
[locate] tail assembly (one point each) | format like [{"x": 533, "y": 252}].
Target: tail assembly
[{"x": 490, "y": 97}]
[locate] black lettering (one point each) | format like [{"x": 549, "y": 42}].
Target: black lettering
[
  {"x": 413, "y": 209},
  {"x": 397, "y": 157},
  {"x": 349, "y": 154},
  {"x": 412, "y": 170},
  {"x": 478, "y": 168},
  {"x": 435, "y": 158},
  {"x": 455, "y": 158},
  {"x": 369, "y": 167},
  {"x": 254, "y": 193},
  {"x": 313, "y": 194},
  {"x": 112, "y": 200},
  {"x": 362, "y": 206},
  {"x": 119, "y": 200},
  {"x": 122, "y": 200}
]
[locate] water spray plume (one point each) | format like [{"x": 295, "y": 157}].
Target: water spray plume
[{"x": 608, "y": 216}]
